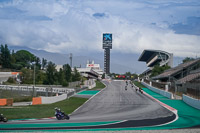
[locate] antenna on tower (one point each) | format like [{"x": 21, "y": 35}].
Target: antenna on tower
[{"x": 70, "y": 58}]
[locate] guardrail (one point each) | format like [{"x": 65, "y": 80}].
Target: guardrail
[
  {"x": 35, "y": 90},
  {"x": 62, "y": 93}
]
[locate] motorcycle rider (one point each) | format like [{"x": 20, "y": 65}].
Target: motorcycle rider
[
  {"x": 2, "y": 118},
  {"x": 140, "y": 89},
  {"x": 60, "y": 115},
  {"x": 126, "y": 87}
]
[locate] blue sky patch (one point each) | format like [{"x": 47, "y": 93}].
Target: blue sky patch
[
  {"x": 99, "y": 15},
  {"x": 191, "y": 27}
]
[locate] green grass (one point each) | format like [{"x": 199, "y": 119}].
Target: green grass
[
  {"x": 23, "y": 99},
  {"x": 42, "y": 111},
  {"x": 99, "y": 86},
  {"x": 16, "y": 96},
  {"x": 138, "y": 84}
]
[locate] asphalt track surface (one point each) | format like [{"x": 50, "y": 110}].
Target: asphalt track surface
[{"x": 129, "y": 108}]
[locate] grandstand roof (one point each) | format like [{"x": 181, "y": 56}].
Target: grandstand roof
[
  {"x": 147, "y": 54},
  {"x": 153, "y": 57},
  {"x": 175, "y": 70}
]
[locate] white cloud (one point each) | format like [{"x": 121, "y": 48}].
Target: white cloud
[{"x": 71, "y": 26}]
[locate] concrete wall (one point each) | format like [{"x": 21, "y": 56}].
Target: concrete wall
[
  {"x": 191, "y": 101},
  {"x": 159, "y": 91},
  {"x": 49, "y": 100},
  {"x": 90, "y": 83}
]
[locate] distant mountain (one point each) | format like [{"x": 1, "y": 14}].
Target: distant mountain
[{"x": 120, "y": 63}]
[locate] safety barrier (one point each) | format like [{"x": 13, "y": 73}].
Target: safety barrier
[
  {"x": 36, "y": 100},
  {"x": 6, "y": 102},
  {"x": 161, "y": 92},
  {"x": 191, "y": 101},
  {"x": 36, "y": 89},
  {"x": 48, "y": 100}
]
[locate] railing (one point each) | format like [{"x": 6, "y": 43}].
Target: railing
[
  {"x": 159, "y": 85},
  {"x": 191, "y": 89},
  {"x": 31, "y": 90},
  {"x": 194, "y": 92},
  {"x": 146, "y": 81},
  {"x": 172, "y": 88}
]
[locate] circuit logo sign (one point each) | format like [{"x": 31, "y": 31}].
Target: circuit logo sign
[{"x": 107, "y": 38}]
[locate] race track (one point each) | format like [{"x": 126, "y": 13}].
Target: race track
[
  {"x": 126, "y": 108},
  {"x": 116, "y": 104}
]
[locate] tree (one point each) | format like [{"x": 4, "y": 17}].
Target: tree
[
  {"x": 128, "y": 75},
  {"x": 61, "y": 77},
  {"x": 187, "y": 59},
  {"x": 67, "y": 72},
  {"x": 158, "y": 70},
  {"x": 37, "y": 63},
  {"x": 24, "y": 58},
  {"x": 5, "y": 57},
  {"x": 13, "y": 60},
  {"x": 40, "y": 76},
  {"x": 103, "y": 76},
  {"x": 44, "y": 63},
  {"x": 50, "y": 73},
  {"x": 76, "y": 75},
  {"x": 27, "y": 76}
]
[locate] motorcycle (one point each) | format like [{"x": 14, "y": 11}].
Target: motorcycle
[
  {"x": 2, "y": 118},
  {"x": 61, "y": 115},
  {"x": 140, "y": 90},
  {"x": 125, "y": 87}
]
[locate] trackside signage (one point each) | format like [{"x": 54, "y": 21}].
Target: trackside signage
[{"x": 107, "y": 40}]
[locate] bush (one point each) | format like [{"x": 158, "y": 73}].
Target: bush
[
  {"x": 11, "y": 80},
  {"x": 23, "y": 99},
  {"x": 65, "y": 84}
]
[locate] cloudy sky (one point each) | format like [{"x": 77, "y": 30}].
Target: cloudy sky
[{"x": 77, "y": 25}]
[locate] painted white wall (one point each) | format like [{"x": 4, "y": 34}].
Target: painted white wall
[
  {"x": 191, "y": 101},
  {"x": 159, "y": 91},
  {"x": 54, "y": 99}
]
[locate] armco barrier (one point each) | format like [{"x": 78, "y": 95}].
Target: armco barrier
[
  {"x": 6, "y": 102},
  {"x": 191, "y": 101},
  {"x": 161, "y": 92},
  {"x": 36, "y": 100}
]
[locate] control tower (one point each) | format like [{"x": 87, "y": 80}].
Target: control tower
[{"x": 107, "y": 45}]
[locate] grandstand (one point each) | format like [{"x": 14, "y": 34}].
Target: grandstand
[
  {"x": 155, "y": 57},
  {"x": 179, "y": 71}
]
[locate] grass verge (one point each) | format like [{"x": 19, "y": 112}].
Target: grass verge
[
  {"x": 138, "y": 84},
  {"x": 16, "y": 95},
  {"x": 42, "y": 111},
  {"x": 99, "y": 85}
]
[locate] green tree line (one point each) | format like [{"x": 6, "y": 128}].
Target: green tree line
[{"x": 45, "y": 72}]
